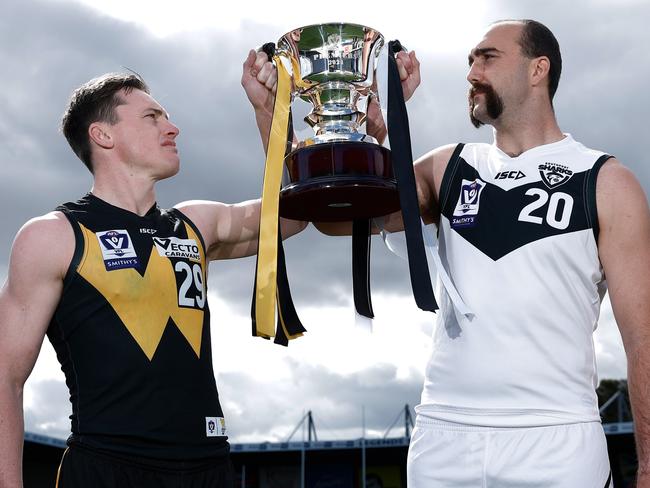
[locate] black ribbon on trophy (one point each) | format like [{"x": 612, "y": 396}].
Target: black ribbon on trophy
[{"x": 338, "y": 175}]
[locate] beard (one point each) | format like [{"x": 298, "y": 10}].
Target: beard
[{"x": 493, "y": 103}]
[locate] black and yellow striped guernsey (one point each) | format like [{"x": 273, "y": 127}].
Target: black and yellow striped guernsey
[{"x": 132, "y": 334}]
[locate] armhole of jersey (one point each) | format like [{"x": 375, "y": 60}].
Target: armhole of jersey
[
  {"x": 186, "y": 219},
  {"x": 79, "y": 244},
  {"x": 592, "y": 210},
  {"x": 448, "y": 177}
]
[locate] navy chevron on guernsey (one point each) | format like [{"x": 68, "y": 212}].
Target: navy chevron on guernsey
[
  {"x": 516, "y": 210},
  {"x": 515, "y": 244}
]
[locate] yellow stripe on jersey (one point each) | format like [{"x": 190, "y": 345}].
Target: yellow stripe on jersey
[{"x": 144, "y": 304}]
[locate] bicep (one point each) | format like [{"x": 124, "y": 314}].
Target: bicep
[
  {"x": 429, "y": 171},
  {"x": 425, "y": 185},
  {"x": 23, "y": 323},
  {"x": 223, "y": 225},
  {"x": 27, "y": 301},
  {"x": 229, "y": 230}
]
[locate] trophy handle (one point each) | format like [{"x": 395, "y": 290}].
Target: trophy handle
[
  {"x": 397, "y": 46},
  {"x": 269, "y": 49}
]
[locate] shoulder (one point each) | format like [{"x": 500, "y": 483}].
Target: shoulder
[
  {"x": 613, "y": 171},
  {"x": 439, "y": 156},
  {"x": 204, "y": 214},
  {"x": 620, "y": 199},
  {"x": 47, "y": 242},
  {"x": 435, "y": 161},
  {"x": 617, "y": 184},
  {"x": 52, "y": 228},
  {"x": 430, "y": 168},
  {"x": 200, "y": 210}
]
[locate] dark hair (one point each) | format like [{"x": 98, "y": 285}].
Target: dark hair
[
  {"x": 95, "y": 101},
  {"x": 537, "y": 40}
]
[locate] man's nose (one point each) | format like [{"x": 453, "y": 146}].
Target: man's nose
[
  {"x": 172, "y": 129},
  {"x": 475, "y": 73}
]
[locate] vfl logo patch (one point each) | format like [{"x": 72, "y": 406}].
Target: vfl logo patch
[
  {"x": 554, "y": 175},
  {"x": 466, "y": 211},
  {"x": 215, "y": 427},
  {"x": 117, "y": 249},
  {"x": 173, "y": 247}
]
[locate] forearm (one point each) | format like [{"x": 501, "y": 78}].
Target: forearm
[
  {"x": 12, "y": 435},
  {"x": 639, "y": 389},
  {"x": 375, "y": 125},
  {"x": 264, "y": 118}
]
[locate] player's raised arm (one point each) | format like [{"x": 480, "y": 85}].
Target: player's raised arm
[{"x": 231, "y": 230}]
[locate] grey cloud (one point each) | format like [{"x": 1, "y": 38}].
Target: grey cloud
[
  {"x": 319, "y": 270},
  {"x": 335, "y": 400},
  {"x": 50, "y": 410}
]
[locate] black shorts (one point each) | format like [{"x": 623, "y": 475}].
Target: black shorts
[{"x": 85, "y": 468}]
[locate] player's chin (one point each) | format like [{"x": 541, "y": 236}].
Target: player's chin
[
  {"x": 170, "y": 169},
  {"x": 475, "y": 117}
]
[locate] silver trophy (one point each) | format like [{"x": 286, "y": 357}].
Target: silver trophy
[{"x": 340, "y": 173}]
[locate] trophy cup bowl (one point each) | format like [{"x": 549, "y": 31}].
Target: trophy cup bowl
[{"x": 341, "y": 173}]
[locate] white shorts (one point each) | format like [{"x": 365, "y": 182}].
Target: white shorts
[{"x": 448, "y": 455}]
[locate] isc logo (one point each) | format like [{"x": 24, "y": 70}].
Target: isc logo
[{"x": 509, "y": 175}]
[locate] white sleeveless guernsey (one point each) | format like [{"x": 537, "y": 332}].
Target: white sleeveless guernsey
[{"x": 518, "y": 238}]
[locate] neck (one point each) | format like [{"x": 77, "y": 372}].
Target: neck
[
  {"x": 520, "y": 141},
  {"x": 530, "y": 127},
  {"x": 129, "y": 194}
]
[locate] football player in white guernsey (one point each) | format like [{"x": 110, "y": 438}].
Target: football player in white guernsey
[
  {"x": 508, "y": 397},
  {"x": 533, "y": 229}
]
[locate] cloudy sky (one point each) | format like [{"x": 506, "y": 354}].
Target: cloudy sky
[{"x": 191, "y": 54}]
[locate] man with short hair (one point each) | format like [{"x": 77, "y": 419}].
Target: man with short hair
[
  {"x": 529, "y": 228},
  {"x": 122, "y": 295}
]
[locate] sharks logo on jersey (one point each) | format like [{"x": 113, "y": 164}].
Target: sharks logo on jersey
[{"x": 554, "y": 175}]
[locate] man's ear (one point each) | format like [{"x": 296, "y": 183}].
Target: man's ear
[
  {"x": 100, "y": 134},
  {"x": 540, "y": 68}
]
